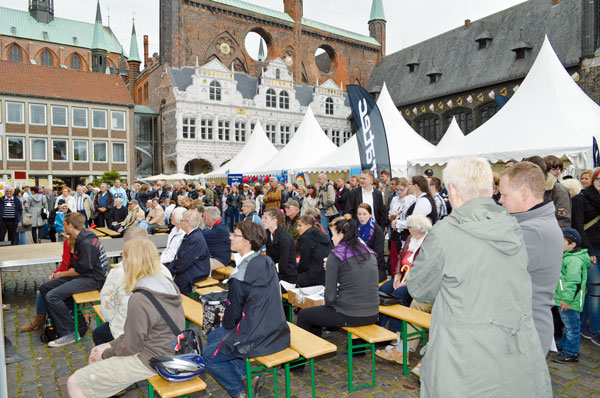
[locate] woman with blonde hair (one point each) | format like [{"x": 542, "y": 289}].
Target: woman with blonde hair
[
  {"x": 586, "y": 178},
  {"x": 116, "y": 365}
]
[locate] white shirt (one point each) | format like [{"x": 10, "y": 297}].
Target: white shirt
[
  {"x": 422, "y": 206},
  {"x": 367, "y": 197},
  {"x": 168, "y": 212},
  {"x": 173, "y": 242}
]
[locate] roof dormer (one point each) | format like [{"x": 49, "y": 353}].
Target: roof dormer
[{"x": 522, "y": 48}]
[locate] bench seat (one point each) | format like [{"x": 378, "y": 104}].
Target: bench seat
[
  {"x": 166, "y": 389},
  {"x": 193, "y": 311}
]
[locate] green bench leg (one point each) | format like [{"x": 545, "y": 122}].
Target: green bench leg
[
  {"x": 261, "y": 370},
  {"x": 290, "y": 310},
  {"x": 151, "y": 392},
  {"x": 301, "y": 362},
  {"x": 76, "y": 313},
  {"x": 420, "y": 333},
  {"x": 351, "y": 347}
]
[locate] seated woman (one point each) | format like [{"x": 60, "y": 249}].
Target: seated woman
[
  {"x": 280, "y": 245},
  {"x": 372, "y": 235},
  {"x": 116, "y": 365},
  {"x": 253, "y": 324},
  {"x": 314, "y": 248},
  {"x": 351, "y": 297},
  {"x": 175, "y": 237}
]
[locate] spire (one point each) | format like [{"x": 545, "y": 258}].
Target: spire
[
  {"x": 377, "y": 11},
  {"x": 122, "y": 68},
  {"x": 261, "y": 51},
  {"x": 107, "y": 71},
  {"x": 98, "y": 41},
  {"x": 134, "y": 54}
]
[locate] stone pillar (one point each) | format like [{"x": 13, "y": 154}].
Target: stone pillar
[{"x": 50, "y": 180}]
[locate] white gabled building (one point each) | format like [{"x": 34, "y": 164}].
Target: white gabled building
[{"x": 216, "y": 109}]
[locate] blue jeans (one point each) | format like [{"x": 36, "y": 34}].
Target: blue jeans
[
  {"x": 40, "y": 306},
  {"x": 229, "y": 372},
  {"x": 591, "y": 305},
  {"x": 325, "y": 222},
  {"x": 405, "y": 299},
  {"x": 569, "y": 343}
]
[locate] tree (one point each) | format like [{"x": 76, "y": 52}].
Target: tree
[{"x": 108, "y": 177}]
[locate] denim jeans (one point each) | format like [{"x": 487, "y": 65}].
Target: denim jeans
[
  {"x": 591, "y": 305},
  {"x": 405, "y": 299},
  {"x": 572, "y": 333},
  {"x": 229, "y": 371},
  {"x": 40, "y": 306},
  {"x": 325, "y": 222}
]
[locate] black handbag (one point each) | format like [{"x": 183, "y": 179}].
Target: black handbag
[
  {"x": 213, "y": 304},
  {"x": 44, "y": 214},
  {"x": 387, "y": 299}
]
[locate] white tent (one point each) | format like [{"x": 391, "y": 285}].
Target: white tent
[
  {"x": 253, "y": 154},
  {"x": 548, "y": 115},
  {"x": 453, "y": 136},
  {"x": 307, "y": 145},
  {"x": 155, "y": 178},
  {"x": 403, "y": 142},
  {"x": 178, "y": 176}
]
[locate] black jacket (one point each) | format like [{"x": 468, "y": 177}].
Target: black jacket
[
  {"x": 191, "y": 263},
  {"x": 174, "y": 196},
  {"x": 143, "y": 197},
  {"x": 314, "y": 248},
  {"x": 282, "y": 250},
  {"x": 118, "y": 215},
  {"x": 377, "y": 244},
  {"x": 341, "y": 199},
  {"x": 585, "y": 208},
  {"x": 89, "y": 257},
  {"x": 379, "y": 210},
  {"x": 110, "y": 202},
  {"x": 18, "y": 207},
  {"x": 254, "y": 314}
]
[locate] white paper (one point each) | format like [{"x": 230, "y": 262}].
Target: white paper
[{"x": 286, "y": 285}]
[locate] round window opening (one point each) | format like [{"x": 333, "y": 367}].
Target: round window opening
[
  {"x": 256, "y": 46},
  {"x": 325, "y": 59}
]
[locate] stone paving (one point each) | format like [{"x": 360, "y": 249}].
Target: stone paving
[{"x": 44, "y": 371}]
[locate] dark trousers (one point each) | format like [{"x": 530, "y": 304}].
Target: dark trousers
[
  {"x": 102, "y": 334},
  {"x": 57, "y": 296},
  {"x": 52, "y": 234},
  {"x": 36, "y": 233},
  {"x": 102, "y": 220},
  {"x": 82, "y": 212},
  {"x": 9, "y": 225},
  {"x": 315, "y": 318}
]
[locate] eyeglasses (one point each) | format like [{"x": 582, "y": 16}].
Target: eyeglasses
[
  {"x": 184, "y": 219},
  {"x": 238, "y": 236},
  {"x": 597, "y": 179}
]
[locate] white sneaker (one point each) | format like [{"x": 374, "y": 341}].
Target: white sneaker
[{"x": 62, "y": 341}]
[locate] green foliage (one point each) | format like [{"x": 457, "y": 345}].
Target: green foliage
[{"x": 108, "y": 177}]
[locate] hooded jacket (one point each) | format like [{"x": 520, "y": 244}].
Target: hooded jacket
[
  {"x": 37, "y": 202},
  {"x": 482, "y": 342},
  {"x": 586, "y": 207},
  {"x": 573, "y": 279},
  {"x": 146, "y": 332},
  {"x": 282, "y": 250},
  {"x": 253, "y": 315},
  {"x": 556, "y": 192},
  {"x": 89, "y": 258},
  {"x": 314, "y": 248}
]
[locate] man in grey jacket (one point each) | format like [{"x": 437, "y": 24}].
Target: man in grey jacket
[{"x": 522, "y": 190}]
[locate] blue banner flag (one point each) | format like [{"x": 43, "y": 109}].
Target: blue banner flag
[
  {"x": 234, "y": 179},
  {"x": 595, "y": 153},
  {"x": 370, "y": 131}
]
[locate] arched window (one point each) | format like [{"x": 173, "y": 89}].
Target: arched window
[
  {"x": 284, "y": 100},
  {"x": 329, "y": 106},
  {"x": 215, "y": 91},
  {"x": 46, "y": 58},
  {"x": 271, "y": 98},
  {"x": 464, "y": 118},
  {"x": 487, "y": 111},
  {"x": 75, "y": 62},
  {"x": 428, "y": 126},
  {"x": 14, "y": 54}
]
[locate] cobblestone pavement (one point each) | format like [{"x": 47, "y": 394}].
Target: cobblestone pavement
[{"x": 44, "y": 371}]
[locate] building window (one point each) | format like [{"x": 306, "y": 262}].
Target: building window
[
  {"x": 37, "y": 114},
  {"x": 271, "y": 98},
  {"x": 428, "y": 126},
  {"x": 206, "y": 129},
  {"x": 223, "y": 130},
  {"x": 347, "y": 135},
  {"x": 464, "y": 118},
  {"x": 14, "y": 112},
  {"x": 59, "y": 151},
  {"x": 75, "y": 62},
  {"x": 37, "y": 151},
  {"x": 99, "y": 119},
  {"x": 284, "y": 100},
  {"x": 59, "y": 116},
  {"x": 335, "y": 137},
  {"x": 118, "y": 152},
  {"x": 285, "y": 134},
  {"x": 240, "y": 131},
  {"x": 117, "y": 120},
  {"x": 80, "y": 118},
  {"x": 277, "y": 74},
  {"x": 16, "y": 148},
  {"x": 99, "y": 152},
  {"x": 46, "y": 58},
  {"x": 271, "y": 133},
  {"x": 80, "y": 151},
  {"x": 252, "y": 127},
  {"x": 487, "y": 111},
  {"x": 215, "y": 91},
  {"x": 189, "y": 127},
  {"x": 14, "y": 54},
  {"x": 329, "y": 106}
]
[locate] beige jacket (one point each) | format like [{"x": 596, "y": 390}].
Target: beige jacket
[{"x": 156, "y": 215}]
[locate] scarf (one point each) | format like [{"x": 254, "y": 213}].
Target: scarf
[{"x": 365, "y": 231}]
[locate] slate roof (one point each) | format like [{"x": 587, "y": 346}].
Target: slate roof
[
  {"x": 304, "y": 94},
  {"x": 66, "y": 84},
  {"x": 465, "y": 67},
  {"x": 246, "y": 85},
  {"x": 182, "y": 78}
]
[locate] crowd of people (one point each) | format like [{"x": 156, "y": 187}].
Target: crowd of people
[{"x": 505, "y": 263}]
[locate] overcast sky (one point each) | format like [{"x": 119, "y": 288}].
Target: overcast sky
[{"x": 408, "y": 21}]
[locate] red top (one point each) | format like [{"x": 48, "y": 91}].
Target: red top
[
  {"x": 66, "y": 258},
  {"x": 403, "y": 265}
]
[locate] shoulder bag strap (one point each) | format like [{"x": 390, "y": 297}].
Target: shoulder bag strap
[
  {"x": 591, "y": 223},
  {"x": 161, "y": 311}
]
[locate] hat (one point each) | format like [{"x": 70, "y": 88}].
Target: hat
[
  {"x": 428, "y": 172},
  {"x": 133, "y": 201},
  {"x": 292, "y": 202},
  {"x": 61, "y": 201},
  {"x": 572, "y": 235}
]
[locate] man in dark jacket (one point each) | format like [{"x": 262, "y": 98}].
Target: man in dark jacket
[
  {"x": 217, "y": 238},
  {"x": 192, "y": 261},
  {"x": 341, "y": 196},
  {"x": 88, "y": 272},
  {"x": 103, "y": 203},
  {"x": 118, "y": 214},
  {"x": 367, "y": 194},
  {"x": 253, "y": 309},
  {"x": 11, "y": 211}
]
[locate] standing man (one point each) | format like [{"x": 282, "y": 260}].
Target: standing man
[
  {"x": 103, "y": 203},
  {"x": 50, "y": 197},
  {"x": 119, "y": 192},
  {"x": 292, "y": 215},
  {"x": 127, "y": 190},
  {"x": 367, "y": 194},
  {"x": 522, "y": 194},
  {"x": 11, "y": 211},
  {"x": 84, "y": 204},
  {"x": 384, "y": 177},
  {"x": 210, "y": 194},
  {"x": 326, "y": 202},
  {"x": 556, "y": 192},
  {"x": 273, "y": 196},
  {"x": 341, "y": 196},
  {"x": 90, "y": 190},
  {"x": 176, "y": 191},
  {"x": 354, "y": 182},
  {"x": 161, "y": 191}
]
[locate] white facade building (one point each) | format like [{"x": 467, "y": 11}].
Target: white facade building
[{"x": 216, "y": 110}]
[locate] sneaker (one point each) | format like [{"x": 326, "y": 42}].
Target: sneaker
[
  {"x": 596, "y": 339},
  {"x": 561, "y": 357},
  {"x": 417, "y": 369},
  {"x": 391, "y": 355},
  {"x": 62, "y": 341},
  {"x": 586, "y": 332}
]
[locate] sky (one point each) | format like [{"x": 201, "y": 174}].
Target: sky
[{"x": 408, "y": 21}]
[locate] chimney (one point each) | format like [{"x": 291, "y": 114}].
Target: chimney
[
  {"x": 467, "y": 23},
  {"x": 145, "y": 51}
]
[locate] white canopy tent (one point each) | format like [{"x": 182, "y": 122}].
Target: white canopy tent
[
  {"x": 453, "y": 136},
  {"x": 178, "y": 176},
  {"x": 155, "y": 178},
  {"x": 308, "y": 144},
  {"x": 253, "y": 154},
  {"x": 548, "y": 115}
]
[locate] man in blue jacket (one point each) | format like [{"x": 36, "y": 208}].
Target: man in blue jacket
[
  {"x": 11, "y": 211},
  {"x": 192, "y": 261},
  {"x": 217, "y": 238}
]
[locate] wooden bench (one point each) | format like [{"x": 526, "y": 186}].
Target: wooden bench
[
  {"x": 371, "y": 334},
  {"x": 207, "y": 282},
  {"x": 269, "y": 364},
  {"x": 418, "y": 319},
  {"x": 166, "y": 389},
  {"x": 225, "y": 271},
  {"x": 93, "y": 297},
  {"x": 308, "y": 346},
  {"x": 99, "y": 234},
  {"x": 99, "y": 317},
  {"x": 109, "y": 232},
  {"x": 193, "y": 311},
  {"x": 210, "y": 289}
]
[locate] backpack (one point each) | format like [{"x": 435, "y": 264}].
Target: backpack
[
  {"x": 49, "y": 332},
  {"x": 212, "y": 305}
]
